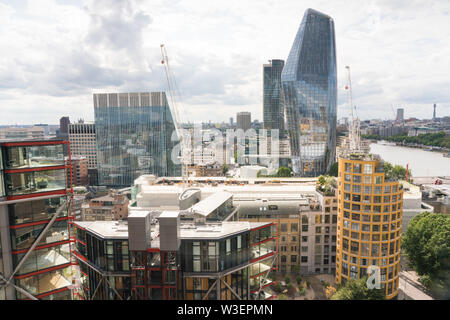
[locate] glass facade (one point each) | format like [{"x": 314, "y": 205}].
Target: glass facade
[
  {"x": 309, "y": 88},
  {"x": 133, "y": 133},
  {"x": 272, "y": 98},
  {"x": 29, "y": 169},
  {"x": 20, "y": 157}
]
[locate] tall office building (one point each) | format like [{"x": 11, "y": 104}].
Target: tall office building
[
  {"x": 243, "y": 120},
  {"x": 400, "y": 115},
  {"x": 309, "y": 87},
  {"x": 273, "y": 95},
  {"x": 369, "y": 222},
  {"x": 434, "y": 111},
  {"x": 34, "y": 221},
  {"x": 134, "y": 136},
  {"x": 82, "y": 142}
]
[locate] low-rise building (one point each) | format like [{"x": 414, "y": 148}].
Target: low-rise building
[
  {"x": 79, "y": 166},
  {"x": 113, "y": 206}
]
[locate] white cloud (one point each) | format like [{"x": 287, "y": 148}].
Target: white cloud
[{"x": 55, "y": 53}]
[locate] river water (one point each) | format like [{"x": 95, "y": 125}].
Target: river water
[{"x": 422, "y": 163}]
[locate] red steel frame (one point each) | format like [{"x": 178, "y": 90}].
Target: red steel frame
[
  {"x": 275, "y": 252},
  {"x": 165, "y": 288},
  {"x": 68, "y": 191}
]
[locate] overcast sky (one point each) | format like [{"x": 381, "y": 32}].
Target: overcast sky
[{"x": 55, "y": 53}]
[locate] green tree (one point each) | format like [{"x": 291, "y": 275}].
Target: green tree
[
  {"x": 427, "y": 246},
  {"x": 225, "y": 169},
  {"x": 358, "y": 290},
  {"x": 334, "y": 170},
  {"x": 284, "y": 172}
]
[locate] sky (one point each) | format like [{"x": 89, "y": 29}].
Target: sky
[{"x": 54, "y": 54}]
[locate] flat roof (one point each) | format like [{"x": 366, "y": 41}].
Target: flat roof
[
  {"x": 188, "y": 230},
  {"x": 211, "y": 203},
  {"x": 217, "y": 230},
  {"x": 106, "y": 229}
]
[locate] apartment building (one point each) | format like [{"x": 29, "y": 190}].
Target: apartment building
[
  {"x": 35, "y": 211},
  {"x": 370, "y": 206},
  {"x": 113, "y": 206},
  {"x": 190, "y": 254},
  {"x": 78, "y": 175}
]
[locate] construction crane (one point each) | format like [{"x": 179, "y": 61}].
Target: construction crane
[
  {"x": 395, "y": 115},
  {"x": 354, "y": 132},
  {"x": 173, "y": 105}
]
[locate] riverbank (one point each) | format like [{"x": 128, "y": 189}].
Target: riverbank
[
  {"x": 411, "y": 145},
  {"x": 422, "y": 163}
]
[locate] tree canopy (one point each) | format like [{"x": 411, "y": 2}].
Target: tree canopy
[
  {"x": 334, "y": 170},
  {"x": 395, "y": 172},
  {"x": 427, "y": 245},
  {"x": 326, "y": 184},
  {"x": 436, "y": 139},
  {"x": 358, "y": 290}
]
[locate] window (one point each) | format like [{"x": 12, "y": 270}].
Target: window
[
  {"x": 318, "y": 229},
  {"x": 357, "y": 168},
  {"x": 304, "y": 259},
  {"x": 294, "y": 227},
  {"x": 283, "y": 227},
  {"x": 304, "y": 238},
  {"x": 367, "y": 180},
  {"x": 293, "y": 258},
  {"x": 348, "y": 167},
  {"x": 368, "y": 169}
]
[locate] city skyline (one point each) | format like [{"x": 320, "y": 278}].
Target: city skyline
[{"x": 79, "y": 48}]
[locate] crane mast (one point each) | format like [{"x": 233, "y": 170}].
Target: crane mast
[
  {"x": 173, "y": 91},
  {"x": 354, "y": 132}
]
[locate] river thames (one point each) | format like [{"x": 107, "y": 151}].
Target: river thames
[{"x": 421, "y": 163}]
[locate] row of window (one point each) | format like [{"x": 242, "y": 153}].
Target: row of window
[
  {"x": 357, "y": 188},
  {"x": 370, "y": 249}
]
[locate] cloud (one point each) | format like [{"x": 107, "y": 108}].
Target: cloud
[{"x": 55, "y": 53}]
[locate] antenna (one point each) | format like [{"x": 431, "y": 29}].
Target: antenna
[{"x": 354, "y": 132}]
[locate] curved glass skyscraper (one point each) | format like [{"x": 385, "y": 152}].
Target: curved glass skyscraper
[{"x": 309, "y": 88}]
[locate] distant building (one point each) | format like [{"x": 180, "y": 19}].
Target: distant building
[
  {"x": 310, "y": 92},
  {"x": 400, "y": 115},
  {"x": 231, "y": 121},
  {"x": 18, "y": 133},
  {"x": 272, "y": 96},
  {"x": 243, "y": 120},
  {"x": 64, "y": 127},
  {"x": 110, "y": 207},
  {"x": 79, "y": 166},
  {"x": 434, "y": 111},
  {"x": 82, "y": 142},
  {"x": 135, "y": 135}
]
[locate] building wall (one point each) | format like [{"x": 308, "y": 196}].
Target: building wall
[
  {"x": 272, "y": 96},
  {"x": 243, "y": 120},
  {"x": 369, "y": 223},
  {"x": 134, "y": 137},
  {"x": 309, "y": 88},
  {"x": 34, "y": 193},
  {"x": 82, "y": 142}
]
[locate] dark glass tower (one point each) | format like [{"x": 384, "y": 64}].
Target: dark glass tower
[
  {"x": 133, "y": 133},
  {"x": 272, "y": 98},
  {"x": 309, "y": 87}
]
